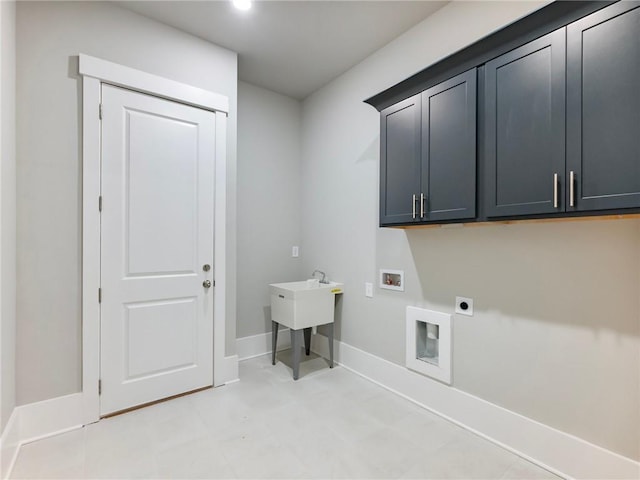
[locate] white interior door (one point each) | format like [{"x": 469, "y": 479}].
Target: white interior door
[{"x": 157, "y": 236}]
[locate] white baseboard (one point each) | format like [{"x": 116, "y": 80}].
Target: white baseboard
[
  {"x": 256, "y": 345},
  {"x": 9, "y": 444},
  {"x": 38, "y": 420},
  {"x": 556, "y": 451},
  {"x": 230, "y": 371},
  {"x": 50, "y": 417}
]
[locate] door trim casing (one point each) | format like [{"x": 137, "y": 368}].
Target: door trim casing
[{"x": 94, "y": 72}]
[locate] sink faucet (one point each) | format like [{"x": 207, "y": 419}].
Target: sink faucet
[{"x": 324, "y": 276}]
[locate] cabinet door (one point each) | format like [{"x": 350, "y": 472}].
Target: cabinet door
[
  {"x": 400, "y": 161},
  {"x": 449, "y": 149},
  {"x": 525, "y": 128},
  {"x": 603, "y": 108}
]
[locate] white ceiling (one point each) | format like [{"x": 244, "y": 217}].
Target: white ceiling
[{"x": 292, "y": 47}]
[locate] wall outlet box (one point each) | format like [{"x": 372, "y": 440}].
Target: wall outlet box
[
  {"x": 392, "y": 279},
  {"x": 295, "y": 251},
  {"x": 464, "y": 306},
  {"x": 368, "y": 290}
]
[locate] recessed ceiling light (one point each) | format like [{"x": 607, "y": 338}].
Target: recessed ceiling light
[{"x": 242, "y": 4}]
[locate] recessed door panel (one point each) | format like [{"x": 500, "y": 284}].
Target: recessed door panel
[
  {"x": 523, "y": 118},
  {"x": 161, "y": 193},
  {"x": 160, "y": 337}
]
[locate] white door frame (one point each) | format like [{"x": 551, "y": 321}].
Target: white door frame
[{"x": 94, "y": 72}]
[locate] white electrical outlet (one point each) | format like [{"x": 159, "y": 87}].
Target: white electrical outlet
[
  {"x": 295, "y": 251},
  {"x": 464, "y": 306},
  {"x": 368, "y": 290}
]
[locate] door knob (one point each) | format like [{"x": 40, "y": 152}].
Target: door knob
[
  {"x": 206, "y": 267},
  {"x": 206, "y": 284}
]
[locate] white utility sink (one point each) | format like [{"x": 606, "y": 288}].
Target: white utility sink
[{"x": 304, "y": 304}]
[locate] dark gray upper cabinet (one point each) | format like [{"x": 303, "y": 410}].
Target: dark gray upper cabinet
[
  {"x": 400, "y": 161},
  {"x": 428, "y": 155},
  {"x": 603, "y": 109},
  {"x": 525, "y": 128},
  {"x": 538, "y": 120},
  {"x": 449, "y": 150}
]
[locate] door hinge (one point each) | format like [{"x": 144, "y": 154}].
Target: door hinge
[
  {"x": 100, "y": 111},
  {"x": 99, "y": 295},
  {"x": 99, "y": 387},
  {"x": 100, "y": 203}
]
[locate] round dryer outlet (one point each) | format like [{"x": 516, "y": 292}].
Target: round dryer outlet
[{"x": 464, "y": 306}]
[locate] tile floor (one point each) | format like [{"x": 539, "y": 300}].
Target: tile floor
[{"x": 328, "y": 424}]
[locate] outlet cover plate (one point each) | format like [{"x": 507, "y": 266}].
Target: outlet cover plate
[
  {"x": 368, "y": 290},
  {"x": 461, "y": 303}
]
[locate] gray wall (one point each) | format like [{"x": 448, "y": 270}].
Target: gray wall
[
  {"x": 269, "y": 147},
  {"x": 556, "y": 330},
  {"x": 7, "y": 212},
  {"x": 49, "y": 37}
]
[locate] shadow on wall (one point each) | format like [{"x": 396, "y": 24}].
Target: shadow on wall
[
  {"x": 577, "y": 273},
  {"x": 371, "y": 153},
  {"x": 266, "y": 310}
]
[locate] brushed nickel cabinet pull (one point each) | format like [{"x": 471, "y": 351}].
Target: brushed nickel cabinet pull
[
  {"x": 421, "y": 205},
  {"x": 555, "y": 190},
  {"x": 571, "y": 192},
  {"x": 413, "y": 206}
]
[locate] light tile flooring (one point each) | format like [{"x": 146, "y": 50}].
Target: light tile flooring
[{"x": 328, "y": 424}]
